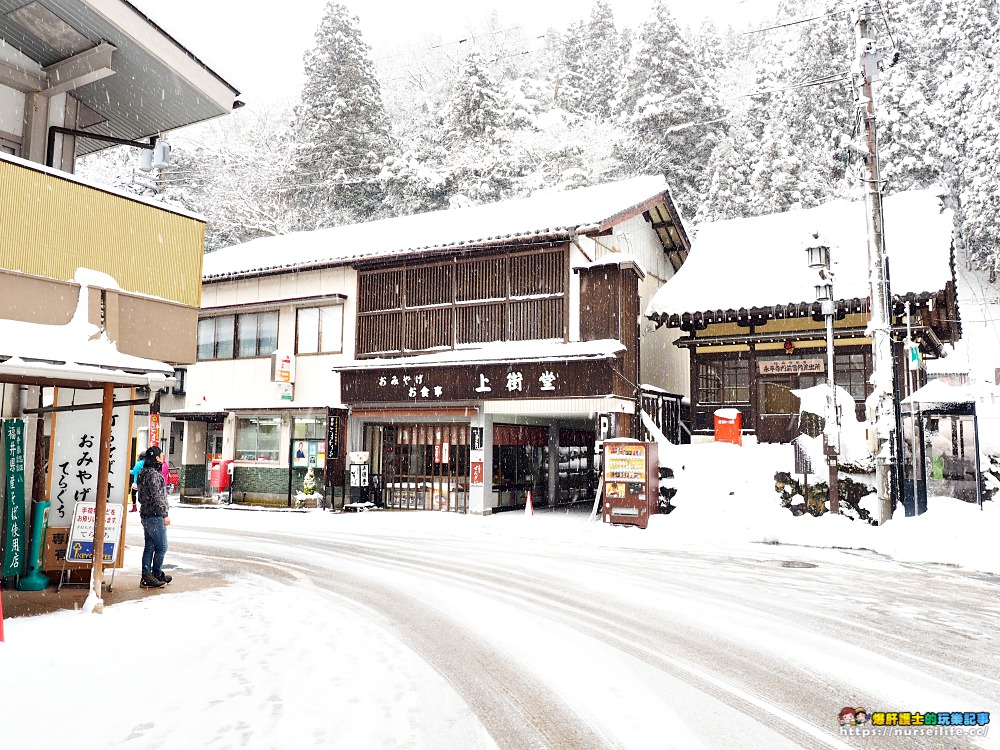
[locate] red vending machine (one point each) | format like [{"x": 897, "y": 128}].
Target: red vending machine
[{"x": 631, "y": 481}]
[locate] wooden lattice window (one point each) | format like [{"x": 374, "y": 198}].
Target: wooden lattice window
[
  {"x": 381, "y": 333},
  {"x": 536, "y": 319},
  {"x": 468, "y": 301},
  {"x": 481, "y": 279},
  {"x": 429, "y": 285},
  {"x": 429, "y": 329},
  {"x": 537, "y": 273},
  {"x": 482, "y": 323},
  {"x": 380, "y": 291}
]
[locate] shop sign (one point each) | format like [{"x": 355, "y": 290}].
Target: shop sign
[
  {"x": 476, "y": 474},
  {"x": 81, "y": 535},
  {"x": 75, "y": 450},
  {"x": 154, "y": 430},
  {"x": 790, "y": 366},
  {"x": 479, "y": 382},
  {"x": 476, "y": 434},
  {"x": 15, "y": 553},
  {"x": 282, "y": 367},
  {"x": 333, "y": 437}
]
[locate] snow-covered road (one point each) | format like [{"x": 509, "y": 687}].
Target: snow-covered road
[{"x": 442, "y": 631}]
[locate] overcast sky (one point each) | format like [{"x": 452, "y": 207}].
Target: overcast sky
[{"x": 259, "y": 48}]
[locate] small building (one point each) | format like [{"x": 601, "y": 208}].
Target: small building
[
  {"x": 746, "y": 299},
  {"x": 470, "y": 355},
  {"x": 100, "y": 288}
]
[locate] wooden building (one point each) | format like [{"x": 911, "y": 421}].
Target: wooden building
[
  {"x": 480, "y": 351},
  {"x": 746, "y": 298}
]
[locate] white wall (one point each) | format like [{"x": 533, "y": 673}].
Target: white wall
[
  {"x": 11, "y": 111},
  {"x": 246, "y": 383}
]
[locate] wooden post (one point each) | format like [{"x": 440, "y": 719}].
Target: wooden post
[{"x": 104, "y": 457}]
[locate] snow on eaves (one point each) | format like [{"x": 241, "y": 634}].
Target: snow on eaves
[
  {"x": 76, "y": 348},
  {"x": 545, "y": 215},
  {"x": 499, "y": 351},
  {"x": 761, "y": 261}
]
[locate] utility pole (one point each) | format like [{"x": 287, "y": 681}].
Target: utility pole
[{"x": 881, "y": 408}]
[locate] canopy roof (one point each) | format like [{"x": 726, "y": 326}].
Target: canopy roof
[{"x": 134, "y": 80}]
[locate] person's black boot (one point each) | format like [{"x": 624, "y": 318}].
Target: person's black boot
[
  {"x": 164, "y": 578},
  {"x": 150, "y": 581}
]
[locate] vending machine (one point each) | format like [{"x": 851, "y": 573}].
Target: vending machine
[{"x": 631, "y": 482}]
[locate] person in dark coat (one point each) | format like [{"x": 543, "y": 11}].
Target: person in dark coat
[{"x": 155, "y": 515}]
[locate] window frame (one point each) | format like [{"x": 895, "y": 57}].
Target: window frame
[
  {"x": 257, "y": 419},
  {"x": 319, "y": 330},
  {"x": 238, "y": 322}
]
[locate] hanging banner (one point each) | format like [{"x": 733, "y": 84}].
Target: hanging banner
[
  {"x": 16, "y": 546},
  {"x": 154, "y": 430},
  {"x": 75, "y": 448}
]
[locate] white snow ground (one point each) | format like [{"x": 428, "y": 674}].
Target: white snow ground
[{"x": 164, "y": 673}]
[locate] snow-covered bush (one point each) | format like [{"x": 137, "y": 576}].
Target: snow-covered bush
[{"x": 814, "y": 499}]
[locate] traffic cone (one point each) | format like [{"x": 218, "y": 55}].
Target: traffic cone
[{"x": 529, "y": 509}]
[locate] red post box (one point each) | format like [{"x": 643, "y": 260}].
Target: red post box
[
  {"x": 219, "y": 480},
  {"x": 729, "y": 426}
]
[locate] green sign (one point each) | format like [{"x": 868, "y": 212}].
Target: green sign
[
  {"x": 914, "y": 357},
  {"x": 16, "y": 542}
]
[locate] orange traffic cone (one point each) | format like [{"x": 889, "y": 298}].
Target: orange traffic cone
[{"x": 529, "y": 509}]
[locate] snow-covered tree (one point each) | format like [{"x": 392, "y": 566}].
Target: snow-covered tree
[
  {"x": 340, "y": 125},
  {"x": 476, "y": 109},
  {"x": 603, "y": 61},
  {"x": 670, "y": 110}
]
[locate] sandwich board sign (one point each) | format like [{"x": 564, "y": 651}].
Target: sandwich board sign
[{"x": 81, "y": 536}]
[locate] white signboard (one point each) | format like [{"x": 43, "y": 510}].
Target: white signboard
[
  {"x": 81, "y": 536},
  {"x": 282, "y": 367},
  {"x": 76, "y": 444}
]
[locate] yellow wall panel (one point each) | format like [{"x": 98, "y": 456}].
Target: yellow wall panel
[{"x": 52, "y": 225}]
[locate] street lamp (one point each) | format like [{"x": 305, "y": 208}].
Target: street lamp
[{"x": 818, "y": 258}]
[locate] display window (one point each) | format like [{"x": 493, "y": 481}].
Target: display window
[{"x": 419, "y": 466}]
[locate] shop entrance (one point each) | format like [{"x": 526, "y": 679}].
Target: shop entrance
[
  {"x": 777, "y": 408},
  {"x": 520, "y": 465},
  {"x": 213, "y": 449},
  {"x": 419, "y": 466}
]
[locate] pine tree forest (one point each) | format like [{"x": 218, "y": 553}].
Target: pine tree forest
[{"x": 742, "y": 122}]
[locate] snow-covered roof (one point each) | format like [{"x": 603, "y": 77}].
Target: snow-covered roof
[
  {"x": 761, "y": 262},
  {"x": 939, "y": 392},
  {"x": 500, "y": 351},
  {"x": 547, "y": 214},
  {"x": 614, "y": 259}
]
